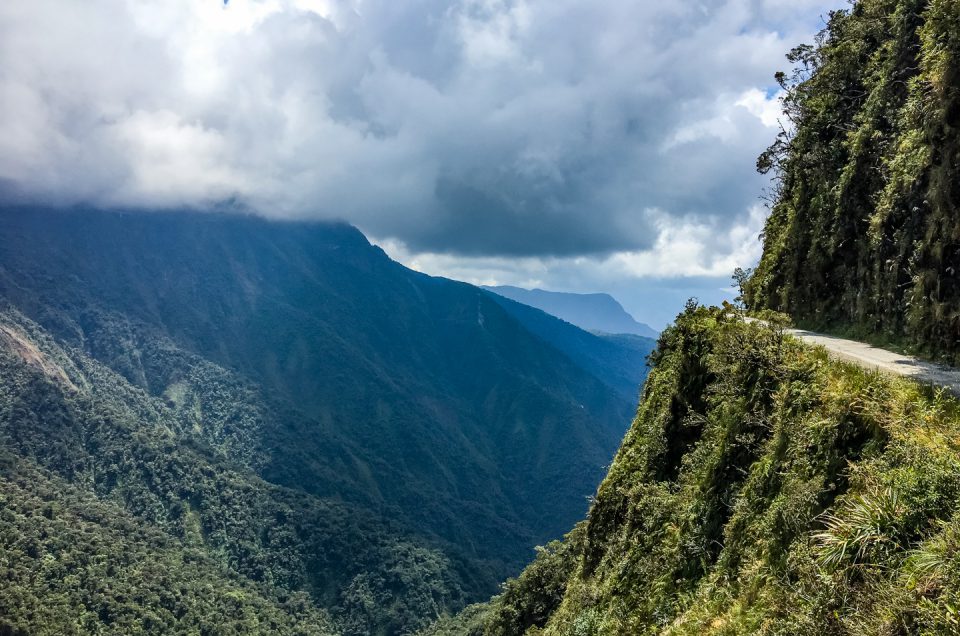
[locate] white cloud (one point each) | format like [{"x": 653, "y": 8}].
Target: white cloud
[
  {"x": 507, "y": 140},
  {"x": 767, "y": 109},
  {"x": 174, "y": 163},
  {"x": 692, "y": 247},
  {"x": 491, "y": 31}
]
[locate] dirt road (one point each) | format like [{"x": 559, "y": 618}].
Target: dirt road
[{"x": 871, "y": 357}]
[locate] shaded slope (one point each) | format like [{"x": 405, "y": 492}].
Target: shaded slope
[{"x": 419, "y": 398}]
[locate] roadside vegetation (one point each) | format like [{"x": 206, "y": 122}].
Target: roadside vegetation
[
  {"x": 863, "y": 238},
  {"x": 762, "y": 489}
]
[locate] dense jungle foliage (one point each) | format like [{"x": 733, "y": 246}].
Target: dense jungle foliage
[
  {"x": 288, "y": 414},
  {"x": 762, "y": 489},
  {"x": 116, "y": 520},
  {"x": 417, "y": 396},
  {"x": 73, "y": 564},
  {"x": 864, "y": 235}
]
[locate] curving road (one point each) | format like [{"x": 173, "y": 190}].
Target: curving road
[{"x": 870, "y": 357}]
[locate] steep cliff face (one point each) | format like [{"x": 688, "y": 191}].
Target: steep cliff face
[
  {"x": 864, "y": 234},
  {"x": 762, "y": 488}
]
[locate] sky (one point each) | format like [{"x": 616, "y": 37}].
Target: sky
[{"x": 568, "y": 145}]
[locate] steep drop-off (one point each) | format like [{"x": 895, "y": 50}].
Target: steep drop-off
[{"x": 762, "y": 489}]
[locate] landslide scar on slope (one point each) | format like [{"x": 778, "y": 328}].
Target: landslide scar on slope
[{"x": 20, "y": 344}]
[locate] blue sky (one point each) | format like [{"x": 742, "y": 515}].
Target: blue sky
[{"x": 575, "y": 146}]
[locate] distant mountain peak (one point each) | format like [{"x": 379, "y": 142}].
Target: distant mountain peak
[{"x": 594, "y": 312}]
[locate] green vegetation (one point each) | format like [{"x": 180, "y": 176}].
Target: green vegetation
[
  {"x": 108, "y": 511},
  {"x": 863, "y": 237},
  {"x": 762, "y": 489},
  {"x": 286, "y": 414},
  {"x": 352, "y": 377},
  {"x": 72, "y": 564}
]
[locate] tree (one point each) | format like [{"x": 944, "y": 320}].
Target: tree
[{"x": 740, "y": 277}]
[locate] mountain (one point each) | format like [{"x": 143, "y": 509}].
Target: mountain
[
  {"x": 863, "y": 237},
  {"x": 285, "y": 406},
  {"x": 620, "y": 360},
  {"x": 762, "y": 489},
  {"x": 765, "y": 488},
  {"x": 120, "y": 515},
  {"x": 593, "y": 312}
]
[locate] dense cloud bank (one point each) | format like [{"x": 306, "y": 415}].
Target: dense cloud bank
[{"x": 542, "y": 129}]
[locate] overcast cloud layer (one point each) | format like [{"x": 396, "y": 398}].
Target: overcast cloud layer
[{"x": 571, "y": 144}]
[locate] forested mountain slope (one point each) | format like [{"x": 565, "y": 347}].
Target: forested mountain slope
[
  {"x": 308, "y": 414},
  {"x": 864, "y": 235},
  {"x": 74, "y": 564},
  {"x": 763, "y": 489},
  {"x": 117, "y": 518},
  {"x": 619, "y": 359}
]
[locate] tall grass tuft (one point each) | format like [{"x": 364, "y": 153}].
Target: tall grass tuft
[{"x": 864, "y": 531}]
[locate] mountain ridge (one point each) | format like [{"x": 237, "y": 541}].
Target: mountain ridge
[
  {"x": 299, "y": 357},
  {"x": 599, "y": 312}
]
